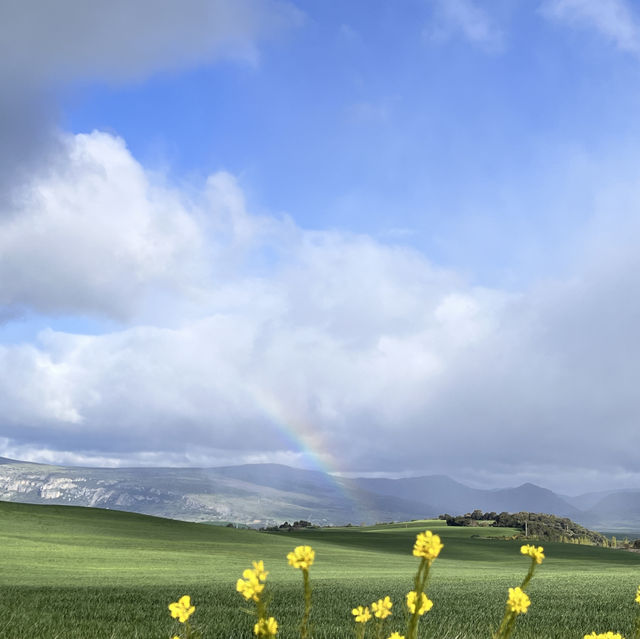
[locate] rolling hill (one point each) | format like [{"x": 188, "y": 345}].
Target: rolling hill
[{"x": 91, "y": 573}]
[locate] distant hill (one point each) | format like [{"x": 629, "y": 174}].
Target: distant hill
[
  {"x": 256, "y": 494},
  {"x": 618, "y": 510},
  {"x": 587, "y": 500},
  {"x": 453, "y": 497},
  {"x": 264, "y": 494}
]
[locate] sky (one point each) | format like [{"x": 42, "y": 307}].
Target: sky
[{"x": 388, "y": 237}]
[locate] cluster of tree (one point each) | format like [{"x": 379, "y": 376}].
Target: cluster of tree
[
  {"x": 296, "y": 525},
  {"x": 535, "y": 525},
  {"x": 469, "y": 519}
]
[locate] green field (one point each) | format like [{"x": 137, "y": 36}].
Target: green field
[{"x": 76, "y": 573}]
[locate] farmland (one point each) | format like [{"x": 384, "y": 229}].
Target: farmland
[{"x": 77, "y": 573}]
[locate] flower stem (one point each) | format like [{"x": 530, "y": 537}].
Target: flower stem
[
  {"x": 304, "y": 625},
  {"x": 509, "y": 619},
  {"x": 420, "y": 583}
]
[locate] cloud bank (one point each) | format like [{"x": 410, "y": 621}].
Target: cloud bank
[{"x": 241, "y": 331}]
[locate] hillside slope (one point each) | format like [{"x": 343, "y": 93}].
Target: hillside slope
[
  {"x": 89, "y": 573},
  {"x": 255, "y": 494}
]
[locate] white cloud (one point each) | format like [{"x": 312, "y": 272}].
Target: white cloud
[
  {"x": 467, "y": 19},
  {"x": 94, "y": 234},
  {"x": 613, "y": 19}
]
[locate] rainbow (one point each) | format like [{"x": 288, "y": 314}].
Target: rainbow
[{"x": 307, "y": 439}]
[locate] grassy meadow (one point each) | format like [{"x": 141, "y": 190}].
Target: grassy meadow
[{"x": 76, "y": 573}]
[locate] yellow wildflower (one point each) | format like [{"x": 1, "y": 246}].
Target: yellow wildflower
[
  {"x": 252, "y": 583},
  {"x": 301, "y": 557},
  {"x": 266, "y": 628},
  {"x": 427, "y": 545},
  {"x": 533, "y": 552},
  {"x": 362, "y": 614},
  {"x": 182, "y": 609},
  {"x": 250, "y": 589},
  {"x": 638, "y": 595},
  {"x": 604, "y": 635},
  {"x": 382, "y": 608},
  {"x": 425, "y": 603},
  {"x": 259, "y": 571},
  {"x": 518, "y": 601},
  {"x": 396, "y": 635}
]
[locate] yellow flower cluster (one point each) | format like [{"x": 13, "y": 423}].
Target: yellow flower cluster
[
  {"x": 427, "y": 545},
  {"x": 252, "y": 583},
  {"x": 259, "y": 571},
  {"x": 266, "y": 628},
  {"x": 301, "y": 557},
  {"x": 518, "y": 601},
  {"x": 382, "y": 607},
  {"x": 362, "y": 614},
  {"x": 533, "y": 552},
  {"x": 425, "y": 603},
  {"x": 182, "y": 609}
]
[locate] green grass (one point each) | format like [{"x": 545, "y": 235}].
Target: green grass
[{"x": 77, "y": 573}]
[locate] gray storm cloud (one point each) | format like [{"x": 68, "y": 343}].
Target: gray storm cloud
[
  {"x": 121, "y": 40},
  {"x": 48, "y": 45}
]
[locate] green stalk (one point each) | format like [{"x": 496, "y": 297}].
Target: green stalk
[
  {"x": 527, "y": 579},
  {"x": 190, "y": 633},
  {"x": 509, "y": 619},
  {"x": 304, "y": 625},
  {"x": 261, "y": 609},
  {"x": 420, "y": 583},
  {"x": 503, "y": 624}
]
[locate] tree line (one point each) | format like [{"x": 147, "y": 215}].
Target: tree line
[{"x": 537, "y": 525}]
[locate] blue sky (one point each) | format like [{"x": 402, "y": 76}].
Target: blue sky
[
  {"x": 280, "y": 227},
  {"x": 363, "y": 118}
]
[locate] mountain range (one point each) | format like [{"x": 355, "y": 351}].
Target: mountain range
[{"x": 265, "y": 494}]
